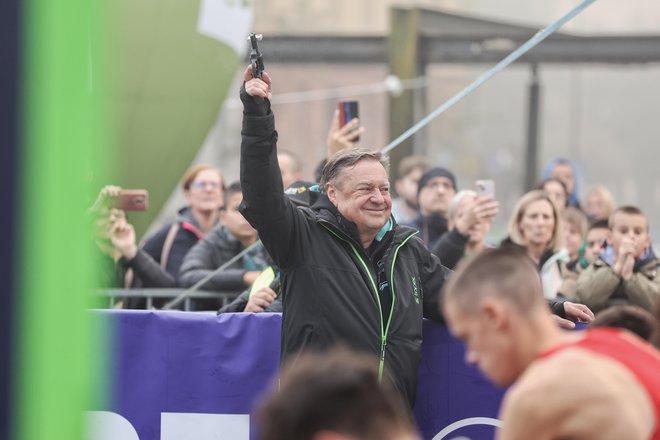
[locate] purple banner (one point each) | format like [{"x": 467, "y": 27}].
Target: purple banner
[{"x": 182, "y": 376}]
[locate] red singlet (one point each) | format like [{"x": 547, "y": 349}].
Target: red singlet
[{"x": 641, "y": 359}]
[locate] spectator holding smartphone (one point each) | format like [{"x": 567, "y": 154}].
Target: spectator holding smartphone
[
  {"x": 157, "y": 262},
  {"x": 470, "y": 217}
]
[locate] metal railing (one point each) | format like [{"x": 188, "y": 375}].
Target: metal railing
[{"x": 116, "y": 296}]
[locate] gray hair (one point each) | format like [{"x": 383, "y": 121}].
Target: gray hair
[
  {"x": 456, "y": 200},
  {"x": 346, "y": 159}
]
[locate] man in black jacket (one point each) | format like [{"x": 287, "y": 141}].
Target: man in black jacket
[{"x": 350, "y": 275}]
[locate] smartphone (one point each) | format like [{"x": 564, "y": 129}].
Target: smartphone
[
  {"x": 132, "y": 200},
  {"x": 348, "y": 110},
  {"x": 485, "y": 188}
]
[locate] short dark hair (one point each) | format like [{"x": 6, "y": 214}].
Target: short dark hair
[
  {"x": 599, "y": 224},
  {"x": 337, "y": 390},
  {"x": 634, "y": 319},
  {"x": 234, "y": 188},
  {"x": 505, "y": 273},
  {"x": 346, "y": 159}
]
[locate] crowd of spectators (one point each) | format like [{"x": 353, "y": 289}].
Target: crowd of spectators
[{"x": 333, "y": 249}]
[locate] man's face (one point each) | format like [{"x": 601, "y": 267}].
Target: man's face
[
  {"x": 234, "y": 221},
  {"x": 434, "y": 198},
  {"x": 595, "y": 239},
  {"x": 564, "y": 172},
  {"x": 406, "y": 187},
  {"x": 487, "y": 344},
  {"x": 362, "y": 195},
  {"x": 630, "y": 227}
]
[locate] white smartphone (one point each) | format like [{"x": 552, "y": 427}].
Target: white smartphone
[{"x": 485, "y": 188}]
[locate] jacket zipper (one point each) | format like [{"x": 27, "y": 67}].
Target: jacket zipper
[{"x": 383, "y": 329}]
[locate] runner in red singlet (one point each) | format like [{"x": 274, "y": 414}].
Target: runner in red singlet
[{"x": 602, "y": 384}]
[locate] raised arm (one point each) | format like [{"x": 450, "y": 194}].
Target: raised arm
[{"x": 264, "y": 204}]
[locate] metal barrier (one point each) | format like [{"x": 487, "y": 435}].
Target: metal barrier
[{"x": 115, "y": 296}]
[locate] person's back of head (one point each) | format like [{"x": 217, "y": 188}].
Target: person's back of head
[
  {"x": 335, "y": 395},
  {"x": 634, "y": 319},
  {"x": 494, "y": 303},
  {"x": 506, "y": 274}
]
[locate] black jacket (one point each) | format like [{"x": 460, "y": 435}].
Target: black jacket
[
  {"x": 146, "y": 265},
  {"x": 335, "y": 291},
  {"x": 431, "y": 228},
  {"x": 214, "y": 251},
  {"x": 451, "y": 248},
  {"x": 186, "y": 237}
]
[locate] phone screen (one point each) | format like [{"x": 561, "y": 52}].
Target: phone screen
[
  {"x": 348, "y": 110},
  {"x": 132, "y": 200}
]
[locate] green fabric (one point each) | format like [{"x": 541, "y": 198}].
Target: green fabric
[{"x": 59, "y": 351}]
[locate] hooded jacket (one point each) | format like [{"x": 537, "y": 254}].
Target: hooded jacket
[{"x": 334, "y": 291}]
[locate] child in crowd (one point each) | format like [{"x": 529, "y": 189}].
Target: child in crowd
[
  {"x": 598, "y": 235},
  {"x": 626, "y": 271},
  {"x": 574, "y": 223}
]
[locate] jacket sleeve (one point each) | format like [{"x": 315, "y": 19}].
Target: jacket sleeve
[
  {"x": 149, "y": 271},
  {"x": 237, "y": 305},
  {"x": 433, "y": 275},
  {"x": 200, "y": 262},
  {"x": 596, "y": 284},
  {"x": 153, "y": 245},
  {"x": 642, "y": 291},
  {"x": 264, "y": 205},
  {"x": 451, "y": 248},
  {"x": 557, "y": 307}
]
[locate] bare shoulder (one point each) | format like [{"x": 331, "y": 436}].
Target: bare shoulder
[{"x": 577, "y": 394}]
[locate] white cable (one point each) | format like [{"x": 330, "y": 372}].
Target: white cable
[{"x": 513, "y": 56}]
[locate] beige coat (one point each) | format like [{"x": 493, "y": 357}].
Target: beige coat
[{"x": 599, "y": 287}]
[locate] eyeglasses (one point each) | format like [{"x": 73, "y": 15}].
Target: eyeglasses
[{"x": 203, "y": 184}]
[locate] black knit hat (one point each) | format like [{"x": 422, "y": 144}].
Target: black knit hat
[{"x": 435, "y": 172}]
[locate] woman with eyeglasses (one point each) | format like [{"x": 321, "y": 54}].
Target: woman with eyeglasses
[{"x": 157, "y": 262}]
